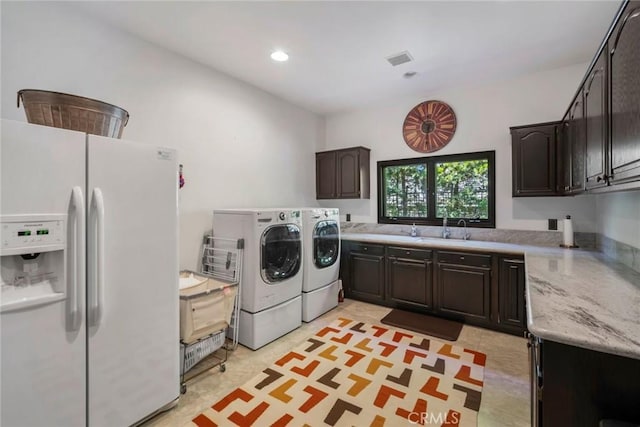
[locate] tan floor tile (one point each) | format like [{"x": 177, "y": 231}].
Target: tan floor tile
[{"x": 505, "y": 396}]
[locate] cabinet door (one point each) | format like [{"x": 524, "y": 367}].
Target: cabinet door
[
  {"x": 595, "y": 113},
  {"x": 511, "y": 290},
  {"x": 348, "y": 174},
  {"x": 625, "y": 96},
  {"x": 534, "y": 160},
  {"x": 578, "y": 145},
  {"x": 410, "y": 281},
  {"x": 465, "y": 291},
  {"x": 563, "y": 183},
  {"x": 366, "y": 276},
  {"x": 326, "y": 175},
  {"x": 581, "y": 387}
]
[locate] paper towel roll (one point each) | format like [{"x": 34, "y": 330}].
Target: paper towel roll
[{"x": 567, "y": 235}]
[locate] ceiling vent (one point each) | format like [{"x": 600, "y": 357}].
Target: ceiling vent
[{"x": 400, "y": 58}]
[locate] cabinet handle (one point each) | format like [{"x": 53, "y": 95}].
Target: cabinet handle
[
  {"x": 461, "y": 258},
  {"x": 408, "y": 252},
  {"x": 365, "y": 248}
]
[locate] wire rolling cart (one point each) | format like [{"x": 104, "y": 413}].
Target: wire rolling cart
[
  {"x": 209, "y": 308},
  {"x": 220, "y": 259}
]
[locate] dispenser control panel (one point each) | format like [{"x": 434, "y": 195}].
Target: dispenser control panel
[{"x": 18, "y": 234}]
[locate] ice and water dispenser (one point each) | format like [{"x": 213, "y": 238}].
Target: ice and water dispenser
[{"x": 32, "y": 260}]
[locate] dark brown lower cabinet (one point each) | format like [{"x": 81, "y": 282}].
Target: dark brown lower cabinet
[
  {"x": 579, "y": 387},
  {"x": 512, "y": 313},
  {"x": 410, "y": 277},
  {"x": 477, "y": 288},
  {"x": 464, "y": 291},
  {"x": 366, "y": 273}
]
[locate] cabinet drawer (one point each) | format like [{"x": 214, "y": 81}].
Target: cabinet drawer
[
  {"x": 464, "y": 258},
  {"x": 367, "y": 248},
  {"x": 411, "y": 253}
]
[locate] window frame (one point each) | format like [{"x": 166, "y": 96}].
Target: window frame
[{"x": 430, "y": 162}]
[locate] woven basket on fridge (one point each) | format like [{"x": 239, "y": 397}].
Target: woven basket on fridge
[{"x": 73, "y": 112}]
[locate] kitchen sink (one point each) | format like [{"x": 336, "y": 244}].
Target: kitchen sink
[{"x": 440, "y": 239}]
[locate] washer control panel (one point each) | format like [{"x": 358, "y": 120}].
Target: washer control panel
[
  {"x": 270, "y": 217},
  {"x": 293, "y": 217},
  {"x": 289, "y": 217}
]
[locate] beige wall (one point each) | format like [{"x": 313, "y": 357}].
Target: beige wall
[
  {"x": 240, "y": 146},
  {"x": 619, "y": 216},
  {"x": 484, "y": 114}
]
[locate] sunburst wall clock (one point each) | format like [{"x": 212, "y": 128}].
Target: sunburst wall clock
[{"x": 429, "y": 126}]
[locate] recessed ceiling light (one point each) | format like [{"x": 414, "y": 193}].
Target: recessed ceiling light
[{"x": 279, "y": 56}]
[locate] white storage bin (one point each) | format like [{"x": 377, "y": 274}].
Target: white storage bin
[
  {"x": 206, "y": 305},
  {"x": 199, "y": 350}
]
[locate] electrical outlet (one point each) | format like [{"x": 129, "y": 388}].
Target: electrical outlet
[{"x": 553, "y": 224}]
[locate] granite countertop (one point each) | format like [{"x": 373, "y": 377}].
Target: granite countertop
[{"x": 574, "y": 297}]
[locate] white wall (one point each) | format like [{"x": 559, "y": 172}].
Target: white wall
[
  {"x": 484, "y": 114},
  {"x": 619, "y": 216},
  {"x": 240, "y": 146}
]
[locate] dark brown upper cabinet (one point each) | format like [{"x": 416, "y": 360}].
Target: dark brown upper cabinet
[
  {"x": 578, "y": 144},
  {"x": 563, "y": 159},
  {"x": 598, "y": 143},
  {"x": 343, "y": 174},
  {"x": 624, "y": 61},
  {"x": 534, "y": 150},
  {"x": 326, "y": 177},
  {"x": 595, "y": 113}
]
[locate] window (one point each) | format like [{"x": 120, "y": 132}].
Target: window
[{"x": 427, "y": 189}]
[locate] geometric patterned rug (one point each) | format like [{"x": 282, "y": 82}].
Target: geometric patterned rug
[{"x": 354, "y": 374}]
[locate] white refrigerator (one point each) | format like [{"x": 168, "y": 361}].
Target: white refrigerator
[{"x": 89, "y": 279}]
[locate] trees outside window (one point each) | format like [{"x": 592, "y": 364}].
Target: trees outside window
[{"x": 426, "y": 190}]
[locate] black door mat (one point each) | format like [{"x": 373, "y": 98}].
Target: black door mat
[{"x": 423, "y": 323}]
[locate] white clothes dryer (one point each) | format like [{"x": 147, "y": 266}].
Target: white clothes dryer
[
  {"x": 272, "y": 270},
  {"x": 320, "y": 286}
]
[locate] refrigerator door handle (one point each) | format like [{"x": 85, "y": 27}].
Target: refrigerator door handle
[
  {"x": 78, "y": 270},
  {"x": 96, "y": 308}
]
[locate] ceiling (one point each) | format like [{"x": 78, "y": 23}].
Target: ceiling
[{"x": 337, "y": 48}]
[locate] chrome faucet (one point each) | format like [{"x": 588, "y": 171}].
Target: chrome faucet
[
  {"x": 445, "y": 230},
  {"x": 414, "y": 230},
  {"x": 465, "y": 235}
]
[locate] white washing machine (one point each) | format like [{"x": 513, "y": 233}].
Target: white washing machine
[
  {"x": 320, "y": 286},
  {"x": 271, "y": 302}
]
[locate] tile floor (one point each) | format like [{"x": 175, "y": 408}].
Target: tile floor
[{"x": 505, "y": 396}]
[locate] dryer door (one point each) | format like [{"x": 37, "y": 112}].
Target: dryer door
[
  {"x": 281, "y": 253},
  {"x": 326, "y": 243}
]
